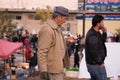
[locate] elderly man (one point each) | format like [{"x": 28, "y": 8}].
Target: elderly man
[{"x": 51, "y": 46}]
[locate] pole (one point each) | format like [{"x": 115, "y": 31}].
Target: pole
[
  {"x": 17, "y": 3},
  {"x": 23, "y": 54},
  {"x": 84, "y": 14},
  {"x": 10, "y": 71}
]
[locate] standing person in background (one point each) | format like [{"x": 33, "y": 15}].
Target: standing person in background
[
  {"x": 13, "y": 60},
  {"x": 34, "y": 41},
  {"x": 51, "y": 46},
  {"x": 32, "y": 62},
  {"x": 95, "y": 49},
  {"x": 27, "y": 49},
  {"x": 76, "y": 54}
]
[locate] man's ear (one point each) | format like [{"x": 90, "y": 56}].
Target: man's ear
[{"x": 98, "y": 24}]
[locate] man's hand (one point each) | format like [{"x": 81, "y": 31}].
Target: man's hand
[
  {"x": 44, "y": 76},
  {"x": 104, "y": 29}
]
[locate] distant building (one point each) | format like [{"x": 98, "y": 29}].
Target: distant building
[
  {"x": 23, "y": 13},
  {"x": 33, "y": 4},
  {"x": 26, "y": 19}
]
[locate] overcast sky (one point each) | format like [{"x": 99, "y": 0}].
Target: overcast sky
[{"x": 29, "y": 4}]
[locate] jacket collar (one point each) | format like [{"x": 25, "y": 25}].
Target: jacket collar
[
  {"x": 94, "y": 30},
  {"x": 52, "y": 24}
]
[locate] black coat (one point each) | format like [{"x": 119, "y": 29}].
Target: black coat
[{"x": 95, "y": 48}]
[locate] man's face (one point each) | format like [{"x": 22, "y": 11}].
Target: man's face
[
  {"x": 61, "y": 19},
  {"x": 101, "y": 25}
]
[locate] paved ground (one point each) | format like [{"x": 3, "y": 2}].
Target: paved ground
[
  {"x": 66, "y": 78},
  {"x": 70, "y": 78}
]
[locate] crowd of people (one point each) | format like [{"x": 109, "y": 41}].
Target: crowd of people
[
  {"x": 29, "y": 49},
  {"x": 75, "y": 47}
]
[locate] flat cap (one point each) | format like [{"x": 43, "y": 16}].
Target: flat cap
[{"x": 61, "y": 10}]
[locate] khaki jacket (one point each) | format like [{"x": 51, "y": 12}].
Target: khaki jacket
[{"x": 50, "y": 56}]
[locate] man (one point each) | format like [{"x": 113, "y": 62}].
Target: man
[
  {"x": 51, "y": 47},
  {"x": 95, "y": 49},
  {"x": 32, "y": 62}
]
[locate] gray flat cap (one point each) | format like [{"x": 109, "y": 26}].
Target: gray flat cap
[{"x": 61, "y": 10}]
